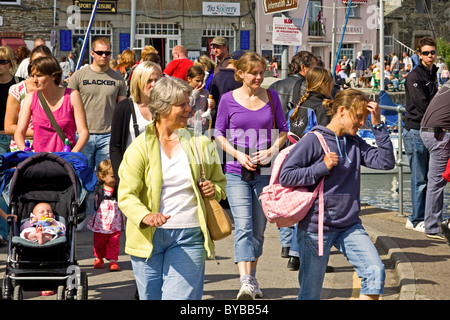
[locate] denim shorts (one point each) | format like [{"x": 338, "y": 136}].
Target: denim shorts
[
  {"x": 356, "y": 246},
  {"x": 176, "y": 268}
]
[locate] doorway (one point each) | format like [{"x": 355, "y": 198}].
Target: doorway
[{"x": 164, "y": 47}]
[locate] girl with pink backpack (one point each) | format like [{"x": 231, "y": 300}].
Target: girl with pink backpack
[{"x": 307, "y": 165}]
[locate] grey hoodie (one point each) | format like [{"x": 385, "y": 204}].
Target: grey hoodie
[{"x": 304, "y": 166}]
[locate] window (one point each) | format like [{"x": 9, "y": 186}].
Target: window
[
  {"x": 278, "y": 52},
  {"x": 158, "y": 29},
  {"x": 316, "y": 21},
  {"x": 354, "y": 11},
  {"x": 10, "y": 2},
  {"x": 423, "y": 6},
  {"x": 211, "y": 30},
  {"x": 347, "y": 49}
]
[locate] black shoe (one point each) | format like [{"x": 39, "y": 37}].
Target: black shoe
[
  {"x": 293, "y": 263},
  {"x": 444, "y": 225},
  {"x": 285, "y": 252}
]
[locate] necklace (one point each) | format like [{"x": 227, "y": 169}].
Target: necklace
[{"x": 169, "y": 140}]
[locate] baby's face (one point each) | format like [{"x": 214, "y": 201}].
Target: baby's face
[{"x": 43, "y": 210}]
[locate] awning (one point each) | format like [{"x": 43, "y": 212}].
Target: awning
[{"x": 14, "y": 43}]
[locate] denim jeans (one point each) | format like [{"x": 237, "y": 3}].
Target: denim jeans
[
  {"x": 96, "y": 150},
  {"x": 439, "y": 154},
  {"x": 249, "y": 219},
  {"x": 288, "y": 238},
  {"x": 356, "y": 246},
  {"x": 176, "y": 268},
  {"x": 418, "y": 157}
]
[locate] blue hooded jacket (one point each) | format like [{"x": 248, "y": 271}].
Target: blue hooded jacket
[{"x": 304, "y": 166}]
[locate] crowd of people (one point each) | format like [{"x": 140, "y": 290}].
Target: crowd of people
[{"x": 138, "y": 124}]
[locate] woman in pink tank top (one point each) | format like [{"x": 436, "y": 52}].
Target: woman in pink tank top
[{"x": 65, "y": 105}]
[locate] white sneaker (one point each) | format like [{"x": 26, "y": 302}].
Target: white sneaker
[
  {"x": 247, "y": 291},
  {"x": 258, "y": 292},
  {"x": 419, "y": 227}
]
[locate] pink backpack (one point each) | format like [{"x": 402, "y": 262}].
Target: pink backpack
[{"x": 285, "y": 206}]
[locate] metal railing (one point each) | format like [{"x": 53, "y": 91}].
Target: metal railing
[{"x": 399, "y": 163}]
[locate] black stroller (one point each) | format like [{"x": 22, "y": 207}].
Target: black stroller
[{"x": 45, "y": 177}]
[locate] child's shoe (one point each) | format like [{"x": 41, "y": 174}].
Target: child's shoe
[
  {"x": 113, "y": 266},
  {"x": 98, "y": 264}
]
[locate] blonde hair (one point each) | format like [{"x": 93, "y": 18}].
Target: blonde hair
[
  {"x": 141, "y": 74},
  {"x": 351, "y": 99},
  {"x": 103, "y": 169},
  {"x": 6, "y": 53},
  {"x": 247, "y": 63},
  {"x": 147, "y": 50},
  {"x": 315, "y": 79},
  {"x": 167, "y": 92},
  {"x": 205, "y": 62}
]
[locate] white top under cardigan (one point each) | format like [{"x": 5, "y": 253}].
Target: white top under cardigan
[{"x": 177, "y": 195}]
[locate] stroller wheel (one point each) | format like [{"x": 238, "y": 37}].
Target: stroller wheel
[
  {"x": 61, "y": 293},
  {"x": 6, "y": 288},
  {"x": 18, "y": 293},
  {"x": 82, "y": 290}
]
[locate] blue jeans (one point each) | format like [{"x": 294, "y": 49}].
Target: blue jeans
[
  {"x": 176, "y": 268},
  {"x": 439, "y": 154},
  {"x": 249, "y": 219},
  {"x": 96, "y": 150},
  {"x": 418, "y": 157},
  {"x": 288, "y": 238},
  {"x": 356, "y": 246}
]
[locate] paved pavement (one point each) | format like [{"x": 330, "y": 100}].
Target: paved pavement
[{"x": 417, "y": 267}]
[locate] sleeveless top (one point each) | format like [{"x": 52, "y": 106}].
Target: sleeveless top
[{"x": 45, "y": 137}]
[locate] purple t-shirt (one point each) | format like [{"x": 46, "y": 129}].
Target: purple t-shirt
[{"x": 246, "y": 128}]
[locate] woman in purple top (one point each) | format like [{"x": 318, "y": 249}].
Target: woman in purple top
[{"x": 250, "y": 127}]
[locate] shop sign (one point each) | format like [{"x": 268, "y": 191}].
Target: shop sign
[{"x": 103, "y": 6}]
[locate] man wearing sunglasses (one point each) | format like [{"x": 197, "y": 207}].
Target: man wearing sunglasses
[
  {"x": 420, "y": 88},
  {"x": 101, "y": 88}
]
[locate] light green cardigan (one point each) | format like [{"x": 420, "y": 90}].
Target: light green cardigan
[{"x": 140, "y": 185}]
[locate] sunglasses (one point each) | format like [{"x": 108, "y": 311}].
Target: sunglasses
[
  {"x": 100, "y": 53},
  {"x": 426, "y": 53},
  {"x": 4, "y": 61}
]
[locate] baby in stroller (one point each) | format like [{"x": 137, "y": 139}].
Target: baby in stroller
[{"x": 42, "y": 226}]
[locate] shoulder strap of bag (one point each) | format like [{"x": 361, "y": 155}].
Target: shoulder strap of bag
[
  {"x": 50, "y": 116},
  {"x": 271, "y": 106},
  {"x": 133, "y": 114},
  {"x": 321, "y": 198},
  {"x": 200, "y": 156}
]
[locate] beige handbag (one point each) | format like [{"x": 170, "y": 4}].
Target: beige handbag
[{"x": 218, "y": 222}]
